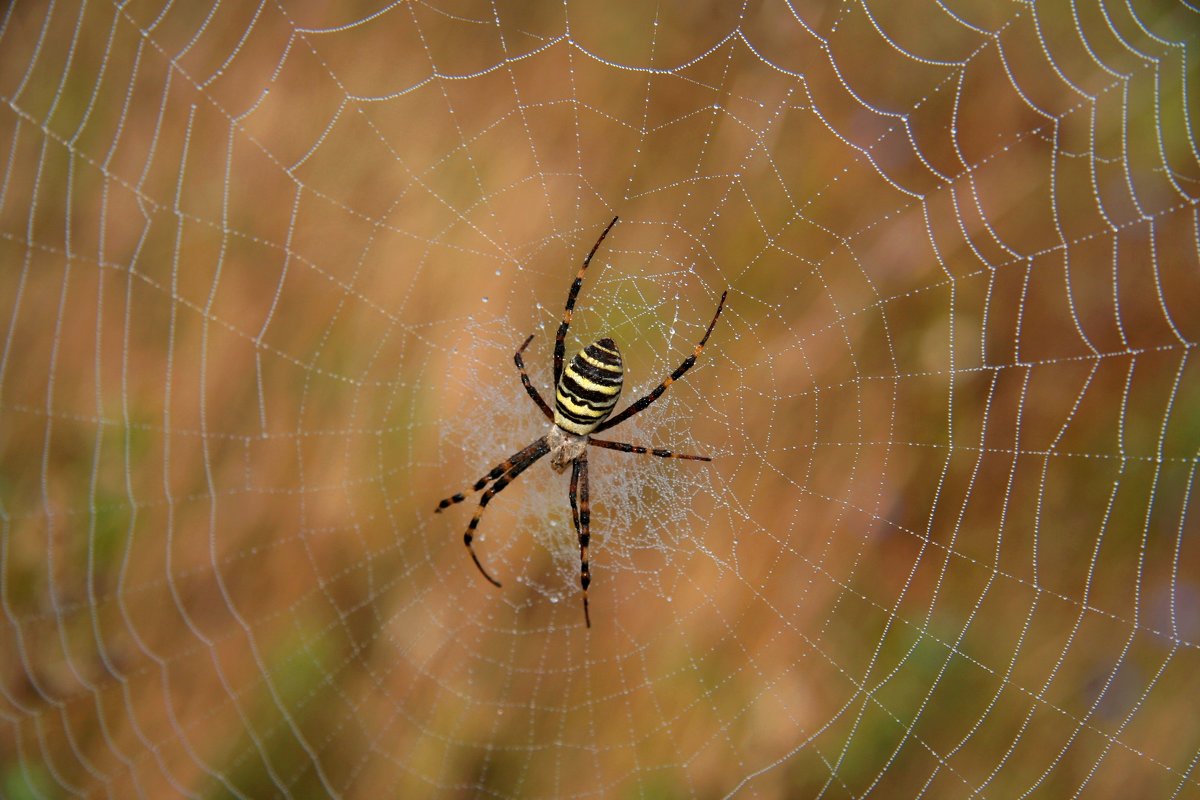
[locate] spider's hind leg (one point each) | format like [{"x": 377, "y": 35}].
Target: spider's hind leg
[
  {"x": 641, "y": 405},
  {"x": 625, "y": 447},
  {"x": 529, "y": 387},
  {"x": 572, "y": 294}
]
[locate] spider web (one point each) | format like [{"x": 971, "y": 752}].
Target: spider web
[{"x": 265, "y": 268}]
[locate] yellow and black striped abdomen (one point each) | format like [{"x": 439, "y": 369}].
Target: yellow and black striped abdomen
[{"x": 589, "y": 388}]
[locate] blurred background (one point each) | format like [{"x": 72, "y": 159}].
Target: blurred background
[{"x": 263, "y": 267}]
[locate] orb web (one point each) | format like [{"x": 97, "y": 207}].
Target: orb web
[{"x": 266, "y": 267}]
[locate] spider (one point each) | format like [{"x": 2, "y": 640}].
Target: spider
[{"x": 586, "y": 393}]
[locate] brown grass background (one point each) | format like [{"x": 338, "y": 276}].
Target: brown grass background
[{"x": 948, "y": 547}]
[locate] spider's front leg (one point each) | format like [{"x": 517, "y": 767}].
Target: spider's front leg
[
  {"x": 581, "y": 516},
  {"x": 504, "y": 474}
]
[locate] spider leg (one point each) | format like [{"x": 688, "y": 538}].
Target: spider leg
[
  {"x": 496, "y": 472},
  {"x": 519, "y": 465},
  {"x": 581, "y": 516},
  {"x": 529, "y": 387},
  {"x": 559, "y": 347},
  {"x": 573, "y": 493},
  {"x": 637, "y": 448},
  {"x": 642, "y": 404}
]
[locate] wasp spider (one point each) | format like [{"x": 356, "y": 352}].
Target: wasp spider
[{"x": 585, "y": 394}]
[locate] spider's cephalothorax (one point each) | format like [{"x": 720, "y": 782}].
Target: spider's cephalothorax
[{"x": 586, "y": 392}]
